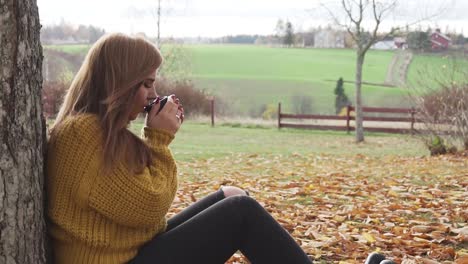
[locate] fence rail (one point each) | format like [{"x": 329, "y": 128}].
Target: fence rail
[{"x": 410, "y": 118}]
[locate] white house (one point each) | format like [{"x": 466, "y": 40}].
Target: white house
[
  {"x": 329, "y": 39},
  {"x": 384, "y": 45}
]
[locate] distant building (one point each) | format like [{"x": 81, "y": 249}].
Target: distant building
[
  {"x": 64, "y": 41},
  {"x": 439, "y": 41},
  {"x": 400, "y": 43},
  {"x": 384, "y": 45},
  {"x": 305, "y": 39},
  {"x": 329, "y": 39}
]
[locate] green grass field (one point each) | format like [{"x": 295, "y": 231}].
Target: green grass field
[
  {"x": 201, "y": 141},
  {"x": 282, "y": 64},
  {"x": 426, "y": 69},
  {"x": 72, "y": 49},
  {"x": 250, "y": 76},
  {"x": 247, "y": 77}
]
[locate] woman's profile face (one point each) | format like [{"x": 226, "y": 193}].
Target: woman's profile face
[{"x": 144, "y": 95}]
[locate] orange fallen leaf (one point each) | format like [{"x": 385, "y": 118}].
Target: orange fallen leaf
[
  {"x": 421, "y": 229},
  {"x": 370, "y": 238}
]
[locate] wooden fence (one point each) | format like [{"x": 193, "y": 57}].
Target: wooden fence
[{"x": 403, "y": 115}]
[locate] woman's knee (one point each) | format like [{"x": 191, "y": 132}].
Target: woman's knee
[
  {"x": 242, "y": 202},
  {"x": 232, "y": 191},
  {"x": 244, "y": 205}
]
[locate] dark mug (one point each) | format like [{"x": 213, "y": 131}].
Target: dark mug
[{"x": 162, "y": 101}]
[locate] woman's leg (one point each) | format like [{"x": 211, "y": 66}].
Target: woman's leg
[
  {"x": 216, "y": 233},
  {"x": 202, "y": 204},
  {"x": 194, "y": 209}
]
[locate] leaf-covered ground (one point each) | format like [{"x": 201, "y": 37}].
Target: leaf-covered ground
[{"x": 341, "y": 208}]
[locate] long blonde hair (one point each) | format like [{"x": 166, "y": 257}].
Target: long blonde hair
[{"x": 104, "y": 85}]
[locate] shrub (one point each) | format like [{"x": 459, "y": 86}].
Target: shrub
[
  {"x": 419, "y": 41},
  {"x": 271, "y": 112},
  {"x": 52, "y": 96},
  {"x": 444, "y": 113},
  {"x": 443, "y": 105},
  {"x": 256, "y": 111},
  {"x": 194, "y": 101},
  {"x": 58, "y": 65},
  {"x": 301, "y": 104},
  {"x": 177, "y": 64},
  {"x": 341, "y": 99},
  {"x": 344, "y": 112}
]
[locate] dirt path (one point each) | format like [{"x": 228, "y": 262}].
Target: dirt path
[{"x": 397, "y": 72}]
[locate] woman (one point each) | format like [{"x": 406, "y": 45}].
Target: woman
[{"x": 109, "y": 190}]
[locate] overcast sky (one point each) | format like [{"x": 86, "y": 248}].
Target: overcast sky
[{"x": 213, "y": 18}]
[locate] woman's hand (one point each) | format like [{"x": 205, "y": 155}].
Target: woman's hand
[{"x": 169, "y": 118}]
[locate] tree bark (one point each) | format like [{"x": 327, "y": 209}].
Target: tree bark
[
  {"x": 22, "y": 135},
  {"x": 159, "y": 24},
  {"x": 359, "y": 128}
]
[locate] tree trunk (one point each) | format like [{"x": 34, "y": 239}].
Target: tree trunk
[
  {"x": 22, "y": 135},
  {"x": 159, "y": 25},
  {"x": 358, "y": 110}
]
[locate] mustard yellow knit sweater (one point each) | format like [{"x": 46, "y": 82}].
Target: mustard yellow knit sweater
[{"x": 97, "y": 218}]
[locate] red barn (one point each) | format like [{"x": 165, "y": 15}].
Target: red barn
[
  {"x": 400, "y": 43},
  {"x": 439, "y": 41}
]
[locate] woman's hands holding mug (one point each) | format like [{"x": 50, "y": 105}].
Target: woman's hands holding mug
[{"x": 169, "y": 118}]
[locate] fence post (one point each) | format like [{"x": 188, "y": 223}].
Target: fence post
[
  {"x": 279, "y": 115},
  {"x": 413, "y": 112},
  {"x": 348, "y": 117},
  {"x": 212, "y": 112}
]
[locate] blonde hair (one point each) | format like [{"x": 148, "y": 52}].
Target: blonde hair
[{"x": 110, "y": 75}]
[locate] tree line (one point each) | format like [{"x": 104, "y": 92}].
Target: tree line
[
  {"x": 285, "y": 34},
  {"x": 67, "y": 33}
]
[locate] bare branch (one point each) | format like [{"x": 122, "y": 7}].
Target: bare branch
[
  {"x": 378, "y": 14},
  {"x": 349, "y": 11},
  {"x": 377, "y": 18},
  {"x": 338, "y": 22},
  {"x": 361, "y": 13},
  {"x": 353, "y": 36},
  {"x": 441, "y": 10},
  {"x": 333, "y": 17}
]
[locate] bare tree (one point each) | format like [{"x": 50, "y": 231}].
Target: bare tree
[
  {"x": 158, "y": 13},
  {"x": 288, "y": 34},
  {"x": 177, "y": 63},
  {"x": 362, "y": 14},
  {"x": 158, "y": 23},
  {"x": 279, "y": 29},
  {"x": 22, "y": 135},
  {"x": 356, "y": 14}
]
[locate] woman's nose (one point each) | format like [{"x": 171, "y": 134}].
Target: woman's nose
[{"x": 152, "y": 94}]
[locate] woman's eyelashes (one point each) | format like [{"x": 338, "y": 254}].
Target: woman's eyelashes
[{"x": 148, "y": 83}]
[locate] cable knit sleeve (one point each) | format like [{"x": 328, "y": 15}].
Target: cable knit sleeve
[
  {"x": 159, "y": 141},
  {"x": 139, "y": 200},
  {"x": 75, "y": 160},
  {"x": 103, "y": 217}
]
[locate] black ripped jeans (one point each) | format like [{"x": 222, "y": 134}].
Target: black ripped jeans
[{"x": 211, "y": 230}]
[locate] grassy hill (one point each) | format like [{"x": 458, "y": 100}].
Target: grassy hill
[
  {"x": 249, "y": 77},
  {"x": 79, "y": 49},
  {"x": 426, "y": 69}
]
